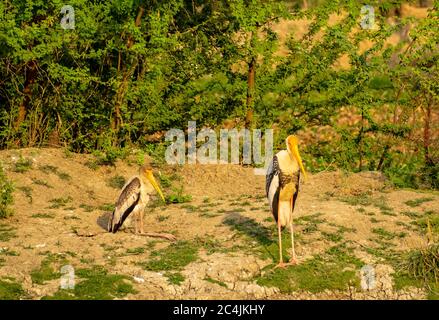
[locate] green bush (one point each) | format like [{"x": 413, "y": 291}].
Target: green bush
[{"x": 6, "y": 197}]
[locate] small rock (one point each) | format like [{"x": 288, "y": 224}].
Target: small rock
[{"x": 138, "y": 279}]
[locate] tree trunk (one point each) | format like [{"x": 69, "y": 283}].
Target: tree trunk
[
  {"x": 123, "y": 87},
  {"x": 31, "y": 73},
  {"x": 305, "y": 5},
  {"x": 425, "y": 3},
  {"x": 427, "y": 134},
  {"x": 250, "y": 91}
]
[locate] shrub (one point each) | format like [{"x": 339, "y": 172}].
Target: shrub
[{"x": 6, "y": 197}]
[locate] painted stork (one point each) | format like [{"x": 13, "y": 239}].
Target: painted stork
[
  {"x": 282, "y": 188},
  {"x": 133, "y": 199}
]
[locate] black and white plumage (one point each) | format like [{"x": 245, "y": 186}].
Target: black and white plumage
[
  {"x": 129, "y": 201},
  {"x": 132, "y": 201},
  {"x": 282, "y": 188}
]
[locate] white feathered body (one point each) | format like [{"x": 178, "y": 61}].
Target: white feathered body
[{"x": 282, "y": 186}]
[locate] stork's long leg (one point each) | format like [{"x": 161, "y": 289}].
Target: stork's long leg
[
  {"x": 166, "y": 236},
  {"x": 136, "y": 222},
  {"x": 141, "y": 221},
  {"x": 293, "y": 258},
  {"x": 279, "y": 232}
]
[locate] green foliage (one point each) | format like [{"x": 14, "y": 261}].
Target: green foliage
[
  {"x": 116, "y": 182},
  {"x": 111, "y": 84},
  {"x": 178, "y": 196},
  {"x": 420, "y": 268},
  {"x": 6, "y": 195}
]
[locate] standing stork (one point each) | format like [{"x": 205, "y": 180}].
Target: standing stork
[
  {"x": 133, "y": 199},
  {"x": 282, "y": 188}
]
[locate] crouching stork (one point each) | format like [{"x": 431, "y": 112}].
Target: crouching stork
[{"x": 133, "y": 199}]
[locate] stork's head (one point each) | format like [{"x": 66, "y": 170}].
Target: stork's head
[
  {"x": 148, "y": 177},
  {"x": 293, "y": 150}
]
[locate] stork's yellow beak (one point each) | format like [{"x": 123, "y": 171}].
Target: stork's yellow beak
[
  {"x": 293, "y": 144},
  {"x": 154, "y": 183}
]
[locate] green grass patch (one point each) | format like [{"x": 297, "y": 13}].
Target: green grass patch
[
  {"x": 57, "y": 203},
  {"x": 310, "y": 223},
  {"x": 27, "y": 191},
  {"x": 209, "y": 215},
  {"x": 41, "y": 182},
  {"x": 162, "y": 217},
  {"x": 364, "y": 199},
  {"x": 189, "y": 207},
  {"x": 8, "y": 252},
  {"x": 334, "y": 237},
  {"x": 175, "y": 278},
  {"x": 6, "y": 232},
  {"x": 48, "y": 169},
  {"x": 86, "y": 207},
  {"x": 116, "y": 182},
  {"x": 106, "y": 207},
  {"x": 419, "y": 268},
  {"x": 22, "y": 165},
  {"x": 411, "y": 214},
  {"x": 165, "y": 180},
  {"x": 417, "y": 202},
  {"x": 177, "y": 196},
  {"x": 48, "y": 269},
  {"x": 136, "y": 251},
  {"x": 336, "y": 269},
  {"x": 259, "y": 238},
  {"x": 10, "y": 290},
  {"x": 388, "y": 235},
  {"x": 211, "y": 280},
  {"x": 96, "y": 284},
  {"x": 174, "y": 257},
  {"x": 422, "y": 223},
  {"x": 43, "y": 216},
  {"x": 6, "y": 195}
]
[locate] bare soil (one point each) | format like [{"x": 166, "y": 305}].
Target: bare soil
[{"x": 219, "y": 192}]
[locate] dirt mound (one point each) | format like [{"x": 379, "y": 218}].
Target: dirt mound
[
  {"x": 340, "y": 183},
  {"x": 222, "y": 180}
]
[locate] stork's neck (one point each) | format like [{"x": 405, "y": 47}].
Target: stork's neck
[{"x": 287, "y": 163}]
